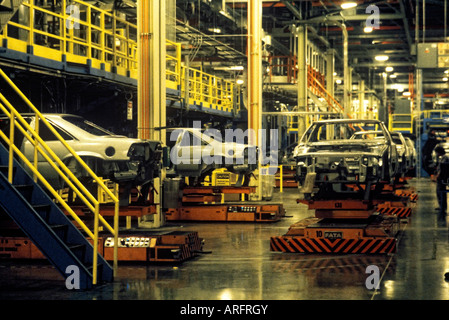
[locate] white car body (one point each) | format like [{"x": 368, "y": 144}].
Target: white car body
[
  {"x": 107, "y": 154},
  {"x": 198, "y": 152}
]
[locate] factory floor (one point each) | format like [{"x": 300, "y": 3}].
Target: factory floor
[{"x": 237, "y": 264}]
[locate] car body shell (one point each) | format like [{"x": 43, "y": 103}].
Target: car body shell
[
  {"x": 336, "y": 154},
  {"x": 107, "y": 154},
  {"x": 197, "y": 152},
  {"x": 412, "y": 152},
  {"x": 404, "y": 151}
]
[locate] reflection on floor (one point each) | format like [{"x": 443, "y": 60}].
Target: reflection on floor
[{"x": 240, "y": 266}]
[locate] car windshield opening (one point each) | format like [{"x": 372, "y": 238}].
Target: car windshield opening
[
  {"x": 347, "y": 131},
  {"x": 88, "y": 126}
]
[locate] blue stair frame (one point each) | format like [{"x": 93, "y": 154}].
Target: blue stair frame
[{"x": 47, "y": 226}]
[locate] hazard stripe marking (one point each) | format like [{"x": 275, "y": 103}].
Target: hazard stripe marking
[{"x": 305, "y": 245}]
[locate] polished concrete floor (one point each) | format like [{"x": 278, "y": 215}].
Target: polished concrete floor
[{"x": 237, "y": 264}]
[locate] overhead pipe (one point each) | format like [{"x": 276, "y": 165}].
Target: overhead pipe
[{"x": 347, "y": 85}]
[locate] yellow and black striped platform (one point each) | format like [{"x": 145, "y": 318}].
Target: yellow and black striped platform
[{"x": 300, "y": 244}]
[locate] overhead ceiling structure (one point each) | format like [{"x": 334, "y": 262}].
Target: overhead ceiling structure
[{"x": 219, "y": 29}]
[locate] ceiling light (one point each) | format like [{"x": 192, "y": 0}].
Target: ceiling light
[
  {"x": 446, "y": 71},
  {"x": 381, "y": 58},
  {"x": 406, "y": 94},
  {"x": 445, "y": 79},
  {"x": 230, "y": 68},
  {"x": 240, "y": 81},
  {"x": 389, "y": 69},
  {"x": 348, "y": 5},
  {"x": 215, "y": 30},
  {"x": 368, "y": 29},
  {"x": 393, "y": 76},
  {"x": 338, "y": 81}
]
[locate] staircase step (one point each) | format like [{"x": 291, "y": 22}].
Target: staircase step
[
  {"x": 90, "y": 268},
  {"x": 42, "y": 210},
  {"x": 60, "y": 230},
  {"x": 5, "y": 170},
  {"x": 47, "y": 225},
  {"x": 25, "y": 190},
  {"x": 78, "y": 250}
]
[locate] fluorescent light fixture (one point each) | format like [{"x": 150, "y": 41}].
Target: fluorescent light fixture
[
  {"x": 338, "y": 81},
  {"x": 230, "y": 68},
  {"x": 215, "y": 30},
  {"x": 393, "y": 76},
  {"x": 381, "y": 58},
  {"x": 348, "y": 5},
  {"x": 389, "y": 69},
  {"x": 240, "y": 81},
  {"x": 368, "y": 29},
  {"x": 445, "y": 79},
  {"x": 406, "y": 94},
  {"x": 446, "y": 71}
]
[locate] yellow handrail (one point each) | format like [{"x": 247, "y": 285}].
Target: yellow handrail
[
  {"x": 210, "y": 90},
  {"x": 401, "y": 121},
  {"x": 318, "y": 88},
  {"x": 109, "y": 42},
  {"x": 40, "y": 147},
  {"x": 92, "y": 33}
]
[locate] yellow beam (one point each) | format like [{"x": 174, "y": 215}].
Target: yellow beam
[{"x": 255, "y": 76}]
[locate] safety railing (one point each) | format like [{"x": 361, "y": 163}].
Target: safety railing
[
  {"x": 173, "y": 65},
  {"x": 317, "y": 87},
  {"x": 207, "y": 90},
  {"x": 435, "y": 114},
  {"x": 285, "y": 66},
  {"x": 77, "y": 31},
  {"x": 81, "y": 33},
  {"x": 365, "y": 115},
  {"x": 41, "y": 149},
  {"x": 401, "y": 122}
]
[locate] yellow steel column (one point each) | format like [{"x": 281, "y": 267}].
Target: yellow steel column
[
  {"x": 255, "y": 79},
  {"x": 301, "y": 33},
  {"x": 330, "y": 67},
  {"x": 363, "y": 114},
  {"x": 151, "y": 82}
]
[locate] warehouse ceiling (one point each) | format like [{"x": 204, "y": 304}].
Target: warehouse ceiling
[
  {"x": 401, "y": 25},
  {"x": 214, "y": 34}
]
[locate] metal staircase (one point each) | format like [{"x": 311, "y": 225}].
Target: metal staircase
[
  {"x": 47, "y": 226},
  {"x": 7, "y": 10},
  {"x": 73, "y": 251}
]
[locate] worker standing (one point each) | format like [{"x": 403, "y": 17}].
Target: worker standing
[
  {"x": 427, "y": 149},
  {"x": 442, "y": 176}
]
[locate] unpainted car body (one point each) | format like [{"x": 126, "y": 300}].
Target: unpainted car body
[
  {"x": 198, "y": 152},
  {"x": 404, "y": 152},
  {"x": 110, "y": 156},
  {"x": 346, "y": 151},
  {"x": 412, "y": 153}
]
